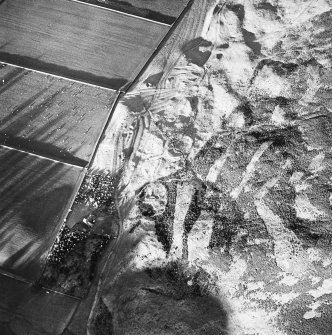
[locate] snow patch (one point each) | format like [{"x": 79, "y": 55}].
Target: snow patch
[
  {"x": 289, "y": 280},
  {"x": 306, "y": 210},
  {"x": 313, "y": 312},
  {"x": 199, "y": 240},
  {"x": 326, "y": 288},
  {"x": 184, "y": 193},
  {"x": 288, "y": 250}
]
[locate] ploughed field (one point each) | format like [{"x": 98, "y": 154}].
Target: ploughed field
[
  {"x": 28, "y": 309},
  {"x": 50, "y": 128},
  {"x": 34, "y": 199},
  {"x": 75, "y": 40},
  {"x": 50, "y": 116}
]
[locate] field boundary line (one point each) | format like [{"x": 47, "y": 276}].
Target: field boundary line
[
  {"x": 23, "y": 280},
  {"x": 58, "y": 76},
  {"x": 8, "y": 274},
  {"x": 120, "y": 12},
  {"x": 43, "y": 157}
]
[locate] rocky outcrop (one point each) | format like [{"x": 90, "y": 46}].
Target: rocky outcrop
[{"x": 225, "y": 146}]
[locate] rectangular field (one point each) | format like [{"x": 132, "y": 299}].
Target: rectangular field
[
  {"x": 77, "y": 41},
  {"x": 25, "y": 310},
  {"x": 34, "y": 199},
  {"x": 165, "y": 11},
  {"x": 51, "y": 117}
]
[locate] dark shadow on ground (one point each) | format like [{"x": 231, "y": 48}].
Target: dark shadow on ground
[
  {"x": 197, "y": 51},
  {"x": 58, "y": 70},
  {"x": 173, "y": 299},
  {"x": 40, "y": 148},
  {"x": 25, "y": 309},
  {"x": 126, "y": 7}
]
